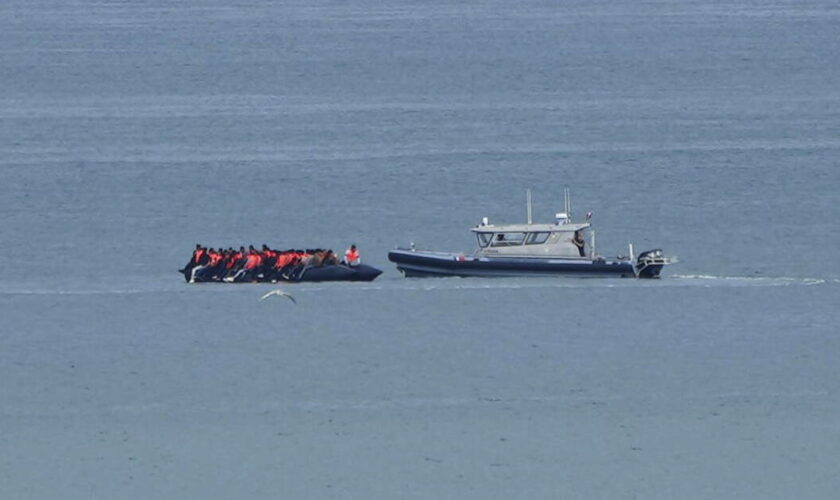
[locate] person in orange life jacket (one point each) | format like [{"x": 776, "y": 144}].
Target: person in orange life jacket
[
  {"x": 214, "y": 266},
  {"x": 217, "y": 264},
  {"x": 204, "y": 263},
  {"x": 224, "y": 264},
  {"x": 294, "y": 264},
  {"x": 240, "y": 262},
  {"x": 233, "y": 258},
  {"x": 352, "y": 257},
  {"x": 259, "y": 266},
  {"x": 198, "y": 253},
  {"x": 249, "y": 270},
  {"x": 240, "y": 258},
  {"x": 234, "y": 262},
  {"x": 269, "y": 256},
  {"x": 273, "y": 271},
  {"x": 284, "y": 258},
  {"x": 195, "y": 260}
]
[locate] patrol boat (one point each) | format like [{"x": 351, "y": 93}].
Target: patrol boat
[{"x": 530, "y": 250}]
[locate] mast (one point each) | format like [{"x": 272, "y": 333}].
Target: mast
[
  {"x": 567, "y": 205},
  {"x": 528, "y": 197}
]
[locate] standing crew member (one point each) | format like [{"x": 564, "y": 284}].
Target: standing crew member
[{"x": 579, "y": 243}]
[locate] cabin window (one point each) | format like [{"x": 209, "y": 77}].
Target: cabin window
[
  {"x": 537, "y": 238},
  {"x": 484, "y": 239},
  {"x": 508, "y": 239}
]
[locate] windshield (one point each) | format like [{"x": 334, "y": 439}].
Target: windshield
[
  {"x": 537, "y": 238},
  {"x": 508, "y": 239},
  {"x": 484, "y": 239}
]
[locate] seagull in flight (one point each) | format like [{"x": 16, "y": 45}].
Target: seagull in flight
[{"x": 278, "y": 292}]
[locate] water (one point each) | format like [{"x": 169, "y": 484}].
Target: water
[{"x": 131, "y": 131}]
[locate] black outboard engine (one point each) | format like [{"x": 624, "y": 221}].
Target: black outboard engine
[{"x": 649, "y": 264}]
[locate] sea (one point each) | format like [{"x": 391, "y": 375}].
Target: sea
[{"x": 130, "y": 131}]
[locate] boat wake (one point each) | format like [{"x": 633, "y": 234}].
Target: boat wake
[
  {"x": 439, "y": 284},
  {"x": 705, "y": 281},
  {"x": 710, "y": 280},
  {"x": 87, "y": 292}
]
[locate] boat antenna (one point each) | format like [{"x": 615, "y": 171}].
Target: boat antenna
[
  {"x": 528, "y": 197},
  {"x": 568, "y": 204}
]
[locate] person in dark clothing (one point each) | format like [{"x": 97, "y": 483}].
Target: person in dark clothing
[
  {"x": 330, "y": 259},
  {"x": 579, "y": 243}
]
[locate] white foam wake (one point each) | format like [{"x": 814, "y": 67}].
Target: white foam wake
[
  {"x": 755, "y": 280},
  {"x": 430, "y": 285}
]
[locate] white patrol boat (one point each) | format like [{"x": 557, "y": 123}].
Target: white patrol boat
[{"x": 530, "y": 250}]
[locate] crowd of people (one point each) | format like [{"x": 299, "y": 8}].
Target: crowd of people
[{"x": 252, "y": 265}]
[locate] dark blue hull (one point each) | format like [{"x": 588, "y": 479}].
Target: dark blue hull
[
  {"x": 338, "y": 272},
  {"x": 651, "y": 271},
  {"x": 360, "y": 272},
  {"x": 420, "y": 264}
]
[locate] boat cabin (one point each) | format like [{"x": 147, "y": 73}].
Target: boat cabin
[{"x": 532, "y": 240}]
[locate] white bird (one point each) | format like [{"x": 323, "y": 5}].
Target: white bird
[{"x": 278, "y": 292}]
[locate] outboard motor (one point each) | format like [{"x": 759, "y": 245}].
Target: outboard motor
[{"x": 649, "y": 264}]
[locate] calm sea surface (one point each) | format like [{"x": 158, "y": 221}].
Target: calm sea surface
[{"x": 130, "y": 131}]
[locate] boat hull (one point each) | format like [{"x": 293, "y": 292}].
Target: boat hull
[
  {"x": 426, "y": 264},
  {"x": 650, "y": 272},
  {"x": 360, "y": 272},
  {"x": 338, "y": 272}
]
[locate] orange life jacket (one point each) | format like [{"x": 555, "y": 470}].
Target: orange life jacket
[
  {"x": 233, "y": 259},
  {"x": 253, "y": 261},
  {"x": 283, "y": 260},
  {"x": 351, "y": 256}
]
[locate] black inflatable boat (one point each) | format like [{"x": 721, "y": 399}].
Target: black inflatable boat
[{"x": 334, "y": 272}]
